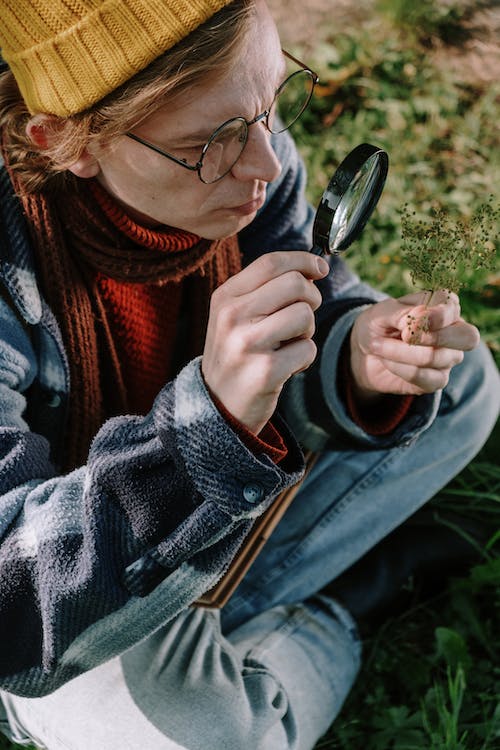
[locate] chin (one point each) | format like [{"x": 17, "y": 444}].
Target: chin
[{"x": 225, "y": 229}]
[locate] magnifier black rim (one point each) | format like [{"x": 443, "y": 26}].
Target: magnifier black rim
[{"x": 339, "y": 183}]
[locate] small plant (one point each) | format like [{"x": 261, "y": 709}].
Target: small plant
[
  {"x": 441, "y": 717},
  {"x": 444, "y": 253}
]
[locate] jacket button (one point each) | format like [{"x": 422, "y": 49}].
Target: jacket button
[
  {"x": 54, "y": 400},
  {"x": 253, "y": 492}
]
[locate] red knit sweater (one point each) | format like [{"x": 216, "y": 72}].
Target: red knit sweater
[{"x": 144, "y": 328}]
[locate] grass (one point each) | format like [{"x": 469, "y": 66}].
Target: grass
[{"x": 430, "y": 678}]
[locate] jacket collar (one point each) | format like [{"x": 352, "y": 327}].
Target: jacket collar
[{"x": 17, "y": 270}]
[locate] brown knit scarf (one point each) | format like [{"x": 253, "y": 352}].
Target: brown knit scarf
[{"x": 75, "y": 243}]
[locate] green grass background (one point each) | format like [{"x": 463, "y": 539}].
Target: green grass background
[{"x": 430, "y": 678}]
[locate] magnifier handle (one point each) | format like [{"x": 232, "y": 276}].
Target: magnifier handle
[{"x": 317, "y": 250}]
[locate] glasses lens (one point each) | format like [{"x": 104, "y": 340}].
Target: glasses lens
[
  {"x": 223, "y": 150},
  {"x": 291, "y": 99}
]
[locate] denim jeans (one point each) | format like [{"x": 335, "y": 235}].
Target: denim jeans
[{"x": 271, "y": 671}]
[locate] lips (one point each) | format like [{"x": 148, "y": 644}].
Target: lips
[{"x": 250, "y": 206}]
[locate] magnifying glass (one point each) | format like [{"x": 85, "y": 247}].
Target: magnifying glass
[{"x": 349, "y": 199}]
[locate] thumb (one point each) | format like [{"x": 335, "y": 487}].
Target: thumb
[
  {"x": 414, "y": 323},
  {"x": 398, "y": 314}
]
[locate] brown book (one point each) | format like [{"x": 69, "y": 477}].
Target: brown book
[{"x": 262, "y": 529}]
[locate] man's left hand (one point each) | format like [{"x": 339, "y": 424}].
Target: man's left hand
[{"x": 401, "y": 346}]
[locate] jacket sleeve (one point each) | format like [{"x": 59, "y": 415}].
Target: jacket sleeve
[
  {"x": 93, "y": 561},
  {"x": 311, "y": 402}
]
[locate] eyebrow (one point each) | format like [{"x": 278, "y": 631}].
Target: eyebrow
[{"x": 204, "y": 135}]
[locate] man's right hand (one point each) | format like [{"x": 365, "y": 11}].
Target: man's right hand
[{"x": 260, "y": 332}]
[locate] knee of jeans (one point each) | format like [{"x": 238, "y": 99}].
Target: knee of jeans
[
  {"x": 268, "y": 723},
  {"x": 472, "y": 396},
  {"x": 254, "y": 715}
]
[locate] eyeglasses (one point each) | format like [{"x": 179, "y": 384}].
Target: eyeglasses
[{"x": 225, "y": 146}]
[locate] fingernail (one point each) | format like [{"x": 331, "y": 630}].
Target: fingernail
[{"x": 323, "y": 266}]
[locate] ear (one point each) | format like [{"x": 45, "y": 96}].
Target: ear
[{"x": 43, "y": 131}]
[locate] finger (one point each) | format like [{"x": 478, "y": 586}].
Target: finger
[
  {"x": 395, "y": 315},
  {"x": 422, "y": 319},
  {"x": 460, "y": 335},
  {"x": 416, "y": 312},
  {"x": 444, "y": 314},
  {"x": 295, "y": 321},
  {"x": 416, "y": 356},
  {"x": 281, "y": 292},
  {"x": 295, "y": 357},
  {"x": 420, "y": 379},
  {"x": 271, "y": 265},
  {"x": 272, "y": 369}
]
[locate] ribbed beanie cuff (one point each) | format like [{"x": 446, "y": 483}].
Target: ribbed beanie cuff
[{"x": 66, "y": 55}]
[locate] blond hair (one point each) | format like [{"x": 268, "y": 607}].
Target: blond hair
[{"x": 209, "y": 51}]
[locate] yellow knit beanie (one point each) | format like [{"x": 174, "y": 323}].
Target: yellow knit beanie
[{"x": 68, "y": 54}]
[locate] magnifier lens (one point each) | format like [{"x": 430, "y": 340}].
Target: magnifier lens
[
  {"x": 349, "y": 200},
  {"x": 355, "y": 203}
]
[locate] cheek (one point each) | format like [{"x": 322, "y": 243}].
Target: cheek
[
  {"x": 176, "y": 202},
  {"x": 163, "y": 193},
  {"x": 141, "y": 185}
]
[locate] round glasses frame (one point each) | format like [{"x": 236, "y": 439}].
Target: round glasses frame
[{"x": 264, "y": 116}]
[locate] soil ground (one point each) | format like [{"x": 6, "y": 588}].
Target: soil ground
[{"x": 308, "y": 22}]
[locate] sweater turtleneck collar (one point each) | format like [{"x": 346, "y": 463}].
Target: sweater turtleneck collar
[{"x": 164, "y": 239}]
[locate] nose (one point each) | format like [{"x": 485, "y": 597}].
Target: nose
[{"x": 258, "y": 160}]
